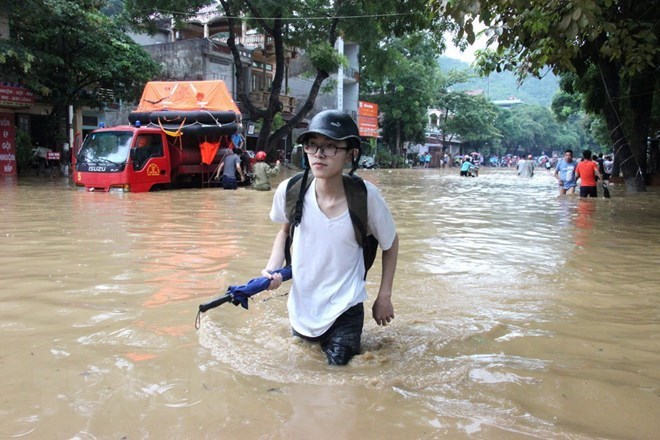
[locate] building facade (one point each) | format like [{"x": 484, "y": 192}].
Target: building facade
[{"x": 198, "y": 50}]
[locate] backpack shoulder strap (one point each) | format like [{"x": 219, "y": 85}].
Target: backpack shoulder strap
[
  {"x": 356, "y": 196},
  {"x": 296, "y": 193},
  {"x": 295, "y": 197}
]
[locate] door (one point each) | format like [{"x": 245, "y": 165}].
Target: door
[{"x": 149, "y": 166}]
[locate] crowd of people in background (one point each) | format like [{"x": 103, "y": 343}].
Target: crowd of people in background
[
  {"x": 590, "y": 170},
  {"x": 543, "y": 161}
]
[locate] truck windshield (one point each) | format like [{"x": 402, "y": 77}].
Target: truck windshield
[{"x": 106, "y": 146}]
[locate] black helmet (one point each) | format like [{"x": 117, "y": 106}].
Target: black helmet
[{"x": 334, "y": 125}]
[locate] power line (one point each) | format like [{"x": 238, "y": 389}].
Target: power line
[{"x": 330, "y": 17}]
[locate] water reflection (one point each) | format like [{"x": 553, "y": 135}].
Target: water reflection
[{"x": 519, "y": 314}]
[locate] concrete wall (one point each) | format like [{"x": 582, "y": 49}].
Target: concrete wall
[
  {"x": 182, "y": 60},
  {"x": 199, "y": 59},
  {"x": 301, "y": 78},
  {"x": 4, "y": 24},
  {"x": 194, "y": 59},
  {"x": 146, "y": 39}
]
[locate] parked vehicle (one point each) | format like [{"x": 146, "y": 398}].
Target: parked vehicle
[
  {"x": 368, "y": 162},
  {"x": 179, "y": 134}
]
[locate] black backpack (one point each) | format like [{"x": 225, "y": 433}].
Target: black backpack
[{"x": 356, "y": 196}]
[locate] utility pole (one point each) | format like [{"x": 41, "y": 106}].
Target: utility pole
[{"x": 340, "y": 76}]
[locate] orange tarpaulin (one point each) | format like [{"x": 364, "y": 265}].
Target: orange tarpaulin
[
  {"x": 208, "y": 150},
  {"x": 186, "y": 96}
]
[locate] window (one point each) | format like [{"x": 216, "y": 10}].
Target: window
[
  {"x": 146, "y": 147},
  {"x": 91, "y": 121}
]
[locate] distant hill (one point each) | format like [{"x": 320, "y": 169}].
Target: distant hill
[{"x": 504, "y": 85}]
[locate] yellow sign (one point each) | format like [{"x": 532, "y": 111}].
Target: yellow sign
[
  {"x": 153, "y": 170},
  {"x": 79, "y": 177}
]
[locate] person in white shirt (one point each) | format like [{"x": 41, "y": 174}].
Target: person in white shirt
[{"x": 325, "y": 303}]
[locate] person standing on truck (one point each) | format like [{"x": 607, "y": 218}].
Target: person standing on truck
[
  {"x": 229, "y": 166},
  {"x": 263, "y": 172}
]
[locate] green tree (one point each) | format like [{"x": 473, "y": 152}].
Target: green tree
[
  {"x": 540, "y": 125},
  {"x": 568, "y": 108},
  {"x": 509, "y": 127},
  {"x": 77, "y": 55},
  {"x": 448, "y": 101},
  {"x": 472, "y": 118},
  {"x": 532, "y": 129},
  {"x": 406, "y": 90},
  {"x": 613, "y": 42},
  {"x": 313, "y": 25}
]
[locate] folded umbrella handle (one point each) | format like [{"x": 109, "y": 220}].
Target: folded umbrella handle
[
  {"x": 215, "y": 303},
  {"x": 209, "y": 305},
  {"x": 234, "y": 296}
]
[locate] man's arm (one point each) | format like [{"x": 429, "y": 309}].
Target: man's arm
[
  {"x": 240, "y": 170},
  {"x": 276, "y": 257},
  {"x": 274, "y": 170},
  {"x": 383, "y": 310},
  {"x": 598, "y": 173},
  {"x": 557, "y": 174}
]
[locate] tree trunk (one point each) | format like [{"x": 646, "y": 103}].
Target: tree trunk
[
  {"x": 287, "y": 128},
  {"x": 266, "y": 140},
  {"x": 625, "y": 156},
  {"x": 642, "y": 89},
  {"x": 398, "y": 137}
]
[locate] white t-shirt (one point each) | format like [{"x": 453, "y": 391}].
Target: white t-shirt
[{"x": 327, "y": 261}]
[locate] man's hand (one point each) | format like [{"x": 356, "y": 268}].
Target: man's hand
[
  {"x": 275, "y": 279},
  {"x": 383, "y": 310}
]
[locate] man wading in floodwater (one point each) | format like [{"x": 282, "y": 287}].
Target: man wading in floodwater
[{"x": 326, "y": 300}]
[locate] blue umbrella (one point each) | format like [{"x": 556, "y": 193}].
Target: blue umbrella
[{"x": 240, "y": 294}]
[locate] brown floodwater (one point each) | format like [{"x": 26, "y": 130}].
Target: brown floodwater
[{"x": 519, "y": 314}]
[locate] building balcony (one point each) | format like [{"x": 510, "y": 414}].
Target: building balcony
[
  {"x": 351, "y": 75},
  {"x": 260, "y": 99}
]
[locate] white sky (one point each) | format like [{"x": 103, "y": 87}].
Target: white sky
[
  {"x": 453, "y": 52},
  {"x": 467, "y": 56}
]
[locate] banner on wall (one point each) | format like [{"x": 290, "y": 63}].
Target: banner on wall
[
  {"x": 7, "y": 145},
  {"x": 368, "y": 119},
  {"x": 13, "y": 95}
]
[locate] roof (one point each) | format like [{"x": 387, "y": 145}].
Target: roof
[{"x": 186, "y": 96}]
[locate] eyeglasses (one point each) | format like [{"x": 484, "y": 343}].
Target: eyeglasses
[{"x": 326, "y": 150}]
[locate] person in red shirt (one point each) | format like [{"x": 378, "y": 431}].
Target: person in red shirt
[{"x": 588, "y": 173}]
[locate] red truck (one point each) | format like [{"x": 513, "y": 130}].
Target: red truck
[{"x": 179, "y": 134}]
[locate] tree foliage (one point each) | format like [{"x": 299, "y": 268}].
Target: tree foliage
[
  {"x": 406, "y": 89},
  {"x": 534, "y": 129},
  {"x": 468, "y": 116},
  {"x": 312, "y": 25},
  {"x": 617, "y": 41},
  {"x": 474, "y": 120},
  {"x": 73, "y": 55},
  {"x": 529, "y": 129}
]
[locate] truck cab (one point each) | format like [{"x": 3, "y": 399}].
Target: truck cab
[{"x": 123, "y": 158}]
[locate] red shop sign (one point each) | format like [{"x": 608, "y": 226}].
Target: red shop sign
[
  {"x": 11, "y": 96},
  {"x": 7, "y": 145}
]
